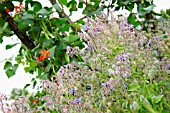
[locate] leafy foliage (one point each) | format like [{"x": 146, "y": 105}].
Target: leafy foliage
[{"x": 121, "y": 69}]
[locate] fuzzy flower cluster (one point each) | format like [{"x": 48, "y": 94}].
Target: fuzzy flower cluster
[
  {"x": 120, "y": 65},
  {"x": 72, "y": 51}
]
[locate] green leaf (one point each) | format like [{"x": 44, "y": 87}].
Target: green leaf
[
  {"x": 80, "y": 5},
  {"x": 27, "y": 16},
  {"x": 14, "y": 67},
  {"x": 1, "y": 37},
  {"x": 52, "y": 52},
  {"x": 10, "y": 73},
  {"x": 47, "y": 68},
  {"x": 130, "y": 7},
  {"x": 57, "y": 7},
  {"x": 136, "y": 23},
  {"x": 43, "y": 12},
  {"x": 134, "y": 106},
  {"x": 64, "y": 2},
  {"x": 7, "y": 65},
  {"x": 44, "y": 76},
  {"x": 31, "y": 68},
  {"x": 72, "y": 5},
  {"x": 33, "y": 64},
  {"x": 8, "y": 5},
  {"x": 156, "y": 99},
  {"x": 88, "y": 9},
  {"x": 131, "y": 18},
  {"x": 149, "y": 8},
  {"x": 64, "y": 28},
  {"x": 71, "y": 39},
  {"x": 10, "y": 46},
  {"x": 54, "y": 111},
  {"x": 133, "y": 87},
  {"x": 5, "y": 25},
  {"x": 27, "y": 85},
  {"x": 37, "y": 6},
  {"x": 67, "y": 58}
]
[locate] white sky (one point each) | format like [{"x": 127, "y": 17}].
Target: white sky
[{"x": 21, "y": 78}]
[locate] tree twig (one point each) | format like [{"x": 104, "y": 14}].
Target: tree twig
[
  {"x": 63, "y": 15},
  {"x": 25, "y": 39}
]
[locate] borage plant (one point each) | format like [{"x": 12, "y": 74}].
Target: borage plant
[{"x": 121, "y": 70}]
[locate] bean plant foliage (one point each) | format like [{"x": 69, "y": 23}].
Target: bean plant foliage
[{"x": 98, "y": 64}]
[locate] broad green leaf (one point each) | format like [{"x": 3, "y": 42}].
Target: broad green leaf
[
  {"x": 27, "y": 16},
  {"x": 72, "y": 5},
  {"x": 33, "y": 64},
  {"x": 88, "y": 9},
  {"x": 43, "y": 12},
  {"x": 136, "y": 23},
  {"x": 8, "y": 5},
  {"x": 31, "y": 68},
  {"x": 131, "y": 18},
  {"x": 130, "y": 7},
  {"x": 44, "y": 76},
  {"x": 80, "y": 5},
  {"x": 7, "y": 65},
  {"x": 133, "y": 87},
  {"x": 90, "y": 12},
  {"x": 37, "y": 6},
  {"x": 14, "y": 67},
  {"x": 64, "y": 2},
  {"x": 10, "y": 46},
  {"x": 72, "y": 38},
  {"x": 52, "y": 52},
  {"x": 47, "y": 68},
  {"x": 10, "y": 73},
  {"x": 56, "y": 6},
  {"x": 156, "y": 99},
  {"x": 64, "y": 28}
]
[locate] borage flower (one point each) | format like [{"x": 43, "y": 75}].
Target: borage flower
[{"x": 77, "y": 100}]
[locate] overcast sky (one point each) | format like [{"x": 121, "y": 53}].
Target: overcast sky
[{"x": 21, "y": 78}]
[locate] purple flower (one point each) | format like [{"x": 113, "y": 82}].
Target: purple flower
[
  {"x": 76, "y": 101},
  {"x": 124, "y": 85},
  {"x": 97, "y": 30},
  {"x": 88, "y": 87},
  {"x": 105, "y": 84},
  {"x": 158, "y": 52},
  {"x": 149, "y": 43},
  {"x": 84, "y": 27},
  {"x": 72, "y": 91},
  {"x": 90, "y": 48},
  {"x": 121, "y": 58},
  {"x": 168, "y": 66}
]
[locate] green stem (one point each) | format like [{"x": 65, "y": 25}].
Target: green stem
[
  {"x": 148, "y": 108},
  {"x": 46, "y": 30}
]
